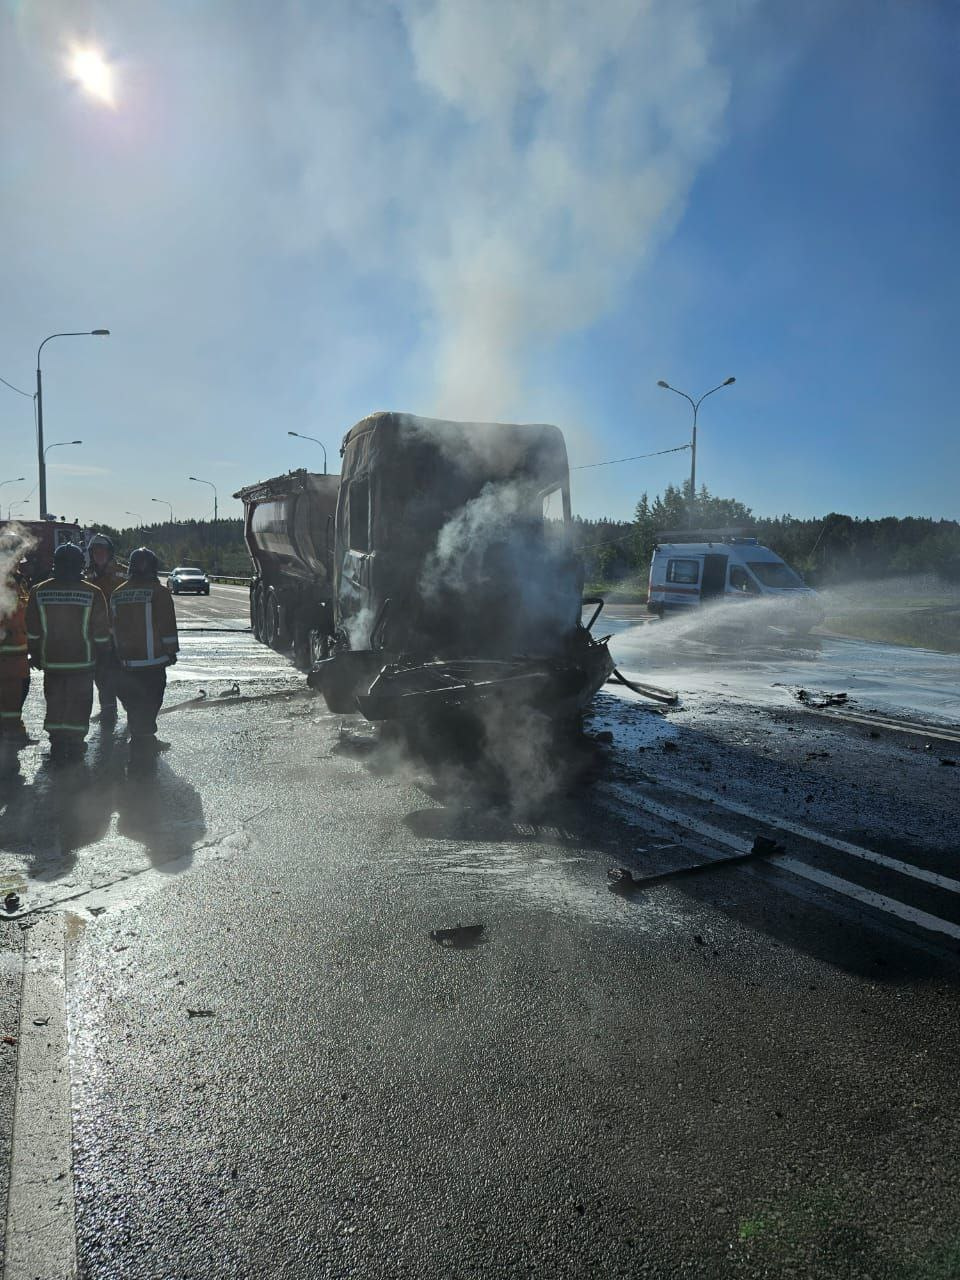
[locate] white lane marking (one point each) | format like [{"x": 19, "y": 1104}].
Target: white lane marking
[
  {"x": 41, "y": 1237},
  {"x": 835, "y": 883},
  {"x": 817, "y": 837},
  {"x": 878, "y": 900},
  {"x": 942, "y": 734}
]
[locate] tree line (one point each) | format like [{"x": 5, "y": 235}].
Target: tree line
[{"x": 830, "y": 548}]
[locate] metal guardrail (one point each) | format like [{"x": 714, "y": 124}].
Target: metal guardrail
[{"x": 230, "y": 579}]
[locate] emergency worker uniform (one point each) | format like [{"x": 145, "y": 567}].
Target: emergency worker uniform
[
  {"x": 107, "y": 577},
  {"x": 144, "y": 628},
  {"x": 67, "y": 628},
  {"x": 14, "y": 665}
]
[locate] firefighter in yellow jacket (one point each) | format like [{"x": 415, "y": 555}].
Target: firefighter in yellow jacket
[
  {"x": 145, "y": 637},
  {"x": 67, "y": 628},
  {"x": 14, "y": 663},
  {"x": 105, "y": 573}
]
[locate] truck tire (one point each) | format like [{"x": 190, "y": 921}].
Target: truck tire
[
  {"x": 270, "y": 619},
  {"x": 256, "y": 612}
]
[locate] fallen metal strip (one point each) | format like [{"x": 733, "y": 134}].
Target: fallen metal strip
[{"x": 897, "y": 726}]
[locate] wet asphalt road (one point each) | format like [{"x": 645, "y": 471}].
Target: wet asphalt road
[{"x": 276, "y": 1071}]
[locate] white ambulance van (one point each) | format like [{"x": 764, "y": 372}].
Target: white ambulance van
[{"x": 708, "y": 565}]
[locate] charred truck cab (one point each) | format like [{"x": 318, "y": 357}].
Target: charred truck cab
[{"x": 455, "y": 585}]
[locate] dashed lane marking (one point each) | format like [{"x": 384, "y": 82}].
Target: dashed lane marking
[
  {"x": 41, "y": 1235},
  {"x": 816, "y": 837},
  {"x": 879, "y": 901}
]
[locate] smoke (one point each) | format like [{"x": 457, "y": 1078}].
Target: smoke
[
  {"x": 518, "y": 162},
  {"x": 15, "y": 543}
]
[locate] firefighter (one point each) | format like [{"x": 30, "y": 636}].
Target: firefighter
[
  {"x": 145, "y": 635},
  {"x": 67, "y": 628},
  {"x": 105, "y": 573},
  {"x": 14, "y": 663}
]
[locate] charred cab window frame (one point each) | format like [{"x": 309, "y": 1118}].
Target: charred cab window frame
[
  {"x": 681, "y": 577},
  {"x": 554, "y": 521},
  {"x": 359, "y": 502}
]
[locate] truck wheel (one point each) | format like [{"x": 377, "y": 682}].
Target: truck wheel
[
  {"x": 270, "y": 619},
  {"x": 256, "y": 612},
  {"x": 319, "y": 646}
]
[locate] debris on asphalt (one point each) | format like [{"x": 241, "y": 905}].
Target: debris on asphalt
[
  {"x": 945, "y": 760},
  {"x": 621, "y": 880},
  {"x": 818, "y": 755},
  {"x": 604, "y": 736},
  {"x": 41, "y": 1022},
  {"x": 698, "y": 939},
  {"x": 821, "y": 700},
  {"x": 232, "y": 692},
  {"x": 9, "y": 1039},
  {"x": 11, "y": 902},
  {"x": 461, "y": 936},
  {"x": 669, "y": 745},
  {"x": 200, "y": 1013},
  {"x": 763, "y": 845}
]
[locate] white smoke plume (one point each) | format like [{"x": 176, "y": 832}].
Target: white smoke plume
[
  {"x": 15, "y": 543},
  {"x": 541, "y": 152}
]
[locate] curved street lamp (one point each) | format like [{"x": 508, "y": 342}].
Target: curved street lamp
[
  {"x": 166, "y": 504},
  {"x": 136, "y": 515},
  {"x": 315, "y": 441},
  {"x": 41, "y": 452},
  {"x": 693, "y": 443},
  {"x": 59, "y": 445}
]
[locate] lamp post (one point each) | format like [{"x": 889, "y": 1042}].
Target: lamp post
[
  {"x": 136, "y": 515},
  {"x": 693, "y": 443},
  {"x": 14, "y": 480},
  {"x": 166, "y": 504},
  {"x": 41, "y": 453},
  {"x": 197, "y": 480},
  {"x": 59, "y": 444},
  {"x": 315, "y": 441}
]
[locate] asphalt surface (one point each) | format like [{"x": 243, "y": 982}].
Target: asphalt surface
[{"x": 277, "y": 1071}]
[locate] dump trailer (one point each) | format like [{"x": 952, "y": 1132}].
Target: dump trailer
[
  {"x": 43, "y": 537},
  {"x": 455, "y": 585},
  {"x": 288, "y": 526}
]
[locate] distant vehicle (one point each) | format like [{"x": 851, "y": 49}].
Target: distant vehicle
[
  {"x": 288, "y": 529},
  {"x": 708, "y": 565},
  {"x": 185, "y": 578},
  {"x": 46, "y": 536}
]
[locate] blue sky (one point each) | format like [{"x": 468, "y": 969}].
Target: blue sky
[{"x": 295, "y": 214}]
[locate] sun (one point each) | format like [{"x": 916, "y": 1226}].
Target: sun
[{"x": 88, "y": 67}]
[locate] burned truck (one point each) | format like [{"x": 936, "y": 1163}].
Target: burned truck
[
  {"x": 288, "y": 526},
  {"x": 455, "y": 585}
]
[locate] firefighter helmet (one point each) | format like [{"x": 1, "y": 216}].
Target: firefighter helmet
[
  {"x": 68, "y": 561},
  {"x": 100, "y": 540},
  {"x": 143, "y": 563}
]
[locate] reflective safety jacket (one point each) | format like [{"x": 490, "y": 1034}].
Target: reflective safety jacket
[
  {"x": 108, "y": 581},
  {"x": 144, "y": 623},
  {"x": 67, "y": 625},
  {"x": 13, "y": 639}
]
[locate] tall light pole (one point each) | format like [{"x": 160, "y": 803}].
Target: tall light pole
[
  {"x": 136, "y": 515},
  {"x": 315, "y": 441},
  {"x": 41, "y": 455},
  {"x": 166, "y": 504},
  {"x": 693, "y": 443},
  {"x": 15, "y": 480},
  {"x": 197, "y": 480}
]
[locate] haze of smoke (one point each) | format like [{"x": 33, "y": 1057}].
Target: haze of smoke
[
  {"x": 15, "y": 543},
  {"x": 541, "y": 153}
]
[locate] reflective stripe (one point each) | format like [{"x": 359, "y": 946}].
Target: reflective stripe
[
  {"x": 170, "y": 640},
  {"x": 145, "y": 662},
  {"x": 68, "y": 666},
  {"x": 67, "y": 728},
  {"x": 13, "y": 648},
  {"x": 9, "y": 715},
  {"x": 31, "y": 636},
  {"x": 101, "y": 640}
]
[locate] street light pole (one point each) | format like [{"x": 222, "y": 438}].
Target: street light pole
[
  {"x": 315, "y": 441},
  {"x": 41, "y": 452},
  {"x": 59, "y": 444},
  {"x": 166, "y": 504},
  {"x": 197, "y": 480},
  {"x": 693, "y": 443}
]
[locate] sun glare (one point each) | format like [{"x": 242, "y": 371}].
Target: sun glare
[{"x": 88, "y": 67}]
